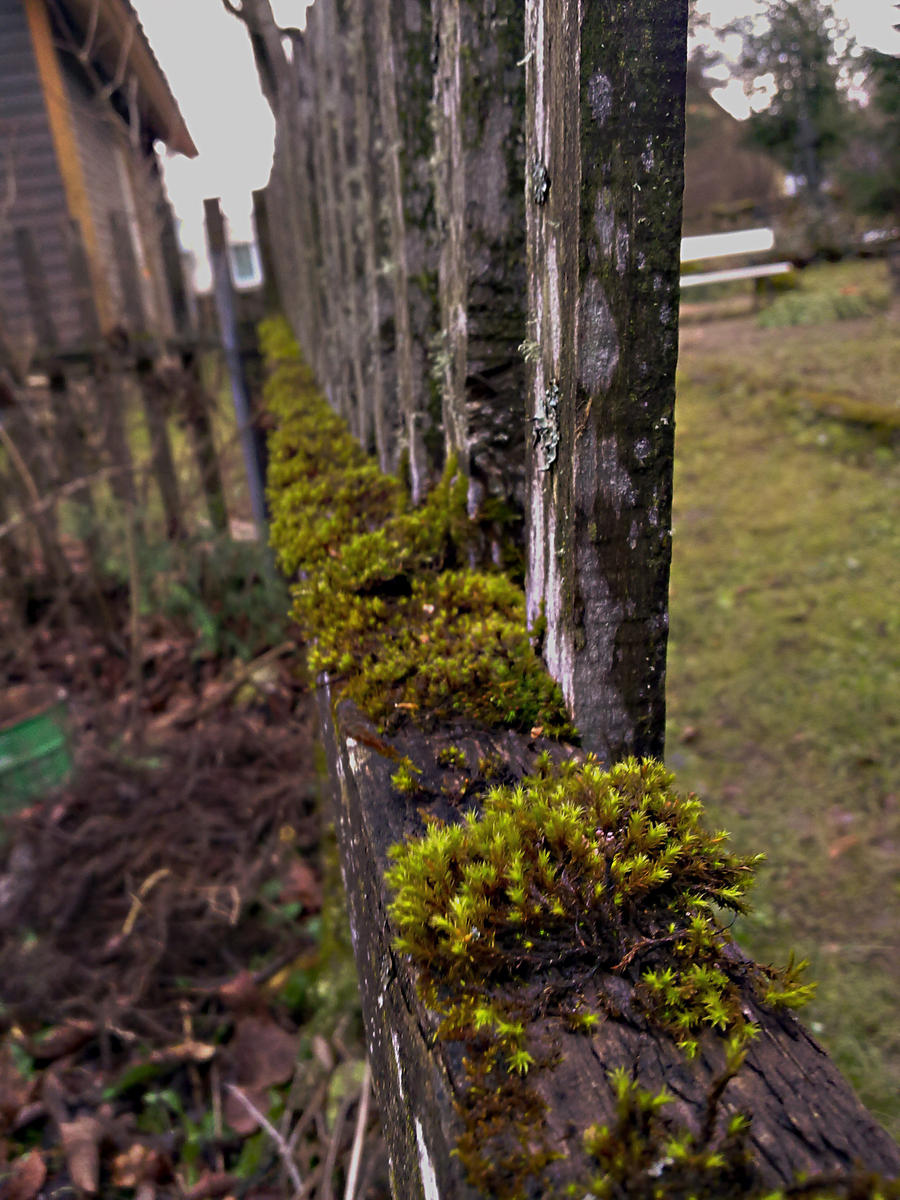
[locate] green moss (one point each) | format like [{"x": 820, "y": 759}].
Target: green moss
[
  {"x": 406, "y": 777},
  {"x": 639, "y": 1156},
  {"x": 618, "y": 852},
  {"x": 389, "y": 611},
  {"x": 484, "y": 905},
  {"x": 642, "y": 1157},
  {"x": 453, "y": 756}
]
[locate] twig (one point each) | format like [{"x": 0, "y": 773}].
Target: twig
[
  {"x": 240, "y": 678},
  {"x": 60, "y": 493},
  {"x": 281, "y": 1145},
  {"x": 333, "y": 1147},
  {"x": 310, "y": 1112},
  {"x": 138, "y": 899},
  {"x": 362, "y": 1117},
  {"x": 645, "y": 944}
]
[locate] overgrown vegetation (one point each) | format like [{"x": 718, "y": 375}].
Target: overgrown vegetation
[{"x": 222, "y": 591}]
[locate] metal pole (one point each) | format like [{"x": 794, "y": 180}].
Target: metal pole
[{"x": 225, "y": 308}]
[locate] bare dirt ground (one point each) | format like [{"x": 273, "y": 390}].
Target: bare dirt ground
[{"x": 169, "y": 1026}]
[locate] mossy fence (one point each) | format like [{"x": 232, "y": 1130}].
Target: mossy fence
[{"x": 474, "y": 221}]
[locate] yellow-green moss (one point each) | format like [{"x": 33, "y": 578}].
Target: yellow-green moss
[
  {"x": 385, "y": 593},
  {"x": 617, "y": 853}
]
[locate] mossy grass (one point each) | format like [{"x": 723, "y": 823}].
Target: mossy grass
[{"x": 783, "y": 683}]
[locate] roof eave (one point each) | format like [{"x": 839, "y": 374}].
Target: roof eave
[{"x": 117, "y": 24}]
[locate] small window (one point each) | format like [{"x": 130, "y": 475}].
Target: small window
[{"x": 245, "y": 270}]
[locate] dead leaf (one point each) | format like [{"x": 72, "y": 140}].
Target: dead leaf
[
  {"x": 264, "y": 1054},
  {"x": 241, "y": 992},
  {"x": 26, "y": 1178},
  {"x": 211, "y": 1184},
  {"x": 81, "y": 1145},
  {"x": 134, "y": 1166},
  {"x": 301, "y": 884},
  {"x": 62, "y": 1040}
]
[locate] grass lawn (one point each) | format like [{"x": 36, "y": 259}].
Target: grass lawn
[{"x": 784, "y": 667}]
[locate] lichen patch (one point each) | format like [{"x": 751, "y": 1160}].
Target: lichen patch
[{"x": 598, "y": 340}]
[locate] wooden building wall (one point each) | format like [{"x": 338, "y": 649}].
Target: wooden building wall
[
  {"x": 113, "y": 179},
  {"x": 27, "y": 149},
  {"x": 75, "y": 165}
]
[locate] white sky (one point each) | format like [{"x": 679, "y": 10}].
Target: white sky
[{"x": 205, "y": 53}]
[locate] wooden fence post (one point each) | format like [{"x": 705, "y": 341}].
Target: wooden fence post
[
  {"x": 366, "y": 128},
  {"x": 402, "y": 41},
  {"x": 478, "y": 161},
  {"x": 253, "y": 450},
  {"x": 605, "y": 136},
  {"x": 271, "y": 295},
  {"x": 161, "y": 448},
  {"x": 73, "y": 459},
  {"x": 331, "y": 71},
  {"x": 180, "y": 299},
  {"x": 111, "y": 406},
  {"x": 196, "y": 415},
  {"x": 79, "y": 269}
]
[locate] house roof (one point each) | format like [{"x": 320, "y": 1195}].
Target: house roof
[{"x": 114, "y": 30}]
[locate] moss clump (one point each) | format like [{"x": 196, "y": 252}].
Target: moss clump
[
  {"x": 456, "y": 646},
  {"x": 487, "y": 905},
  {"x": 638, "y": 1157},
  {"x": 617, "y": 853},
  {"x": 453, "y": 756},
  {"x": 384, "y": 592}
]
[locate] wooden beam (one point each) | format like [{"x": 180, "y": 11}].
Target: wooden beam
[{"x": 805, "y": 1117}]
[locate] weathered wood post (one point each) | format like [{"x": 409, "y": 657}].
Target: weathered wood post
[
  {"x": 605, "y": 142},
  {"x": 154, "y": 402},
  {"x": 479, "y": 111},
  {"x": 271, "y": 295},
  {"x": 367, "y": 130},
  {"x": 403, "y": 80}
]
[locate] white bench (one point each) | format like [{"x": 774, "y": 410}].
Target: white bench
[{"x": 728, "y": 245}]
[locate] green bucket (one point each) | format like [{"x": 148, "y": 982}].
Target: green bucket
[{"x": 34, "y": 750}]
